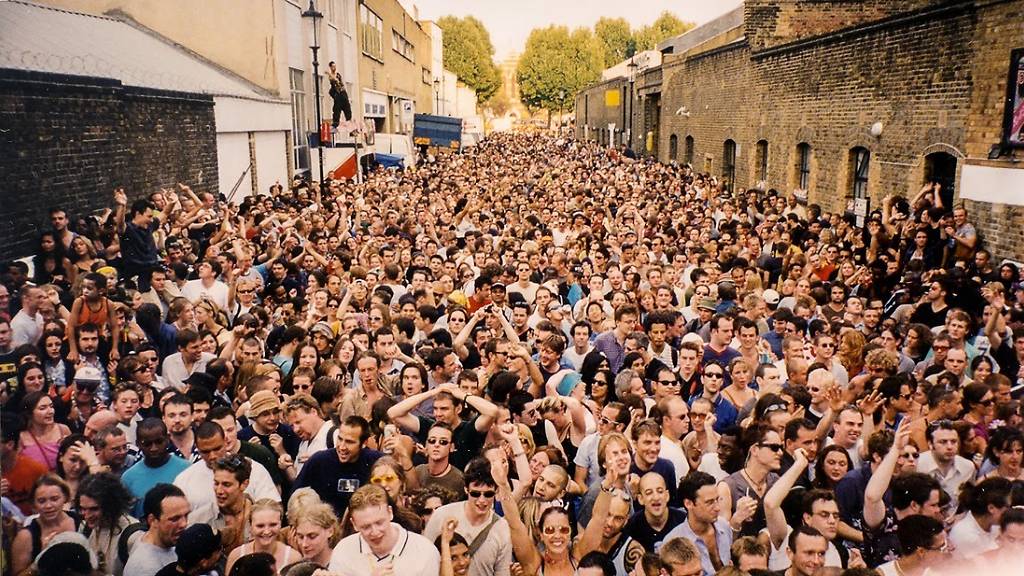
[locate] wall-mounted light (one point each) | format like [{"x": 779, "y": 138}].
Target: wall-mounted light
[{"x": 876, "y": 129}]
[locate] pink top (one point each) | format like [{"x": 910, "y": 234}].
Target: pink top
[{"x": 43, "y": 452}]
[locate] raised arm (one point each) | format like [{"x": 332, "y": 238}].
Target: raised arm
[
  {"x": 524, "y": 547},
  {"x": 487, "y": 410},
  {"x": 399, "y": 414},
  {"x": 778, "y": 529},
  {"x": 874, "y": 507}
]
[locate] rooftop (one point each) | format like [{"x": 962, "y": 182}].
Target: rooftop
[{"x": 45, "y": 39}]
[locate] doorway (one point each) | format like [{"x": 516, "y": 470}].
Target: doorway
[{"x": 941, "y": 167}]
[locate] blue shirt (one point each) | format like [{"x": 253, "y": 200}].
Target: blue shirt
[
  {"x": 723, "y": 537},
  {"x": 609, "y": 345},
  {"x": 140, "y": 478},
  {"x": 725, "y": 413}
]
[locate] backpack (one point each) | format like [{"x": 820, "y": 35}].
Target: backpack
[{"x": 124, "y": 541}]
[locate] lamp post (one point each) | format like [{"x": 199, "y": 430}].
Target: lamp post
[
  {"x": 561, "y": 104},
  {"x": 437, "y": 96},
  {"x": 632, "y": 66},
  {"x": 315, "y": 18}
]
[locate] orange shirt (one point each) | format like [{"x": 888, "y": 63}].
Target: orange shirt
[{"x": 21, "y": 478}]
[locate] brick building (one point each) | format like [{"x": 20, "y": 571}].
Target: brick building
[{"x": 844, "y": 99}]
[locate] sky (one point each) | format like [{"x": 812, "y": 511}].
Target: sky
[{"x": 510, "y": 21}]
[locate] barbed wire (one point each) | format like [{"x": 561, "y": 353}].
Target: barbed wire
[{"x": 94, "y": 65}]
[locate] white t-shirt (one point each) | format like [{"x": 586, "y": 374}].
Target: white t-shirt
[
  {"x": 175, "y": 373},
  {"x": 413, "y": 555},
  {"x": 674, "y": 454},
  {"x": 778, "y": 560},
  {"x": 196, "y": 482},
  {"x": 310, "y": 447},
  {"x": 218, "y": 292}
]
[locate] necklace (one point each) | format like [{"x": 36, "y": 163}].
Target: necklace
[{"x": 758, "y": 487}]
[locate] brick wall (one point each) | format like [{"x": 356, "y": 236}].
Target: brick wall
[
  {"x": 69, "y": 141},
  {"x": 823, "y": 72}
]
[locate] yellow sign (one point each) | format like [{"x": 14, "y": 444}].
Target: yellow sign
[{"x": 611, "y": 98}]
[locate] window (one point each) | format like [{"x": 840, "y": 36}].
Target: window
[
  {"x": 860, "y": 162},
  {"x": 673, "y": 147},
  {"x": 300, "y": 143},
  {"x": 372, "y": 33},
  {"x": 729, "y": 163},
  {"x": 803, "y": 165},
  {"x": 402, "y": 46},
  {"x": 762, "y": 160},
  {"x": 688, "y": 150}
]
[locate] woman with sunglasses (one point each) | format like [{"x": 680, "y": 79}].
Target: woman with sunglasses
[
  {"x": 552, "y": 552},
  {"x": 979, "y": 407},
  {"x": 742, "y": 493},
  {"x": 388, "y": 474}
]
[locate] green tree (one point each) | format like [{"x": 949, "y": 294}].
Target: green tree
[
  {"x": 664, "y": 27},
  {"x": 556, "y": 64},
  {"x": 469, "y": 53},
  {"x": 616, "y": 39}
]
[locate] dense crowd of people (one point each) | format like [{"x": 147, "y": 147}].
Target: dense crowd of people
[{"x": 536, "y": 356}]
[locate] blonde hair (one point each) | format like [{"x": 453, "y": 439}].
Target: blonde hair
[
  {"x": 266, "y": 504},
  {"x": 367, "y": 496},
  {"x": 318, "y": 514}
]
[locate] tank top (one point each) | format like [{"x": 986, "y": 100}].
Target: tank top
[
  {"x": 36, "y": 531},
  {"x": 738, "y": 488},
  {"x": 43, "y": 452},
  {"x": 98, "y": 317}
]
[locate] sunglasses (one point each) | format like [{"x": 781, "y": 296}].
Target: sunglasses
[
  {"x": 563, "y": 530},
  {"x": 383, "y": 479},
  {"x": 441, "y": 441},
  {"x": 713, "y": 375},
  {"x": 481, "y": 493},
  {"x": 668, "y": 382},
  {"x": 773, "y": 447}
]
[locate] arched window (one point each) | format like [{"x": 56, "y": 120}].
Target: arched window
[
  {"x": 860, "y": 164},
  {"x": 729, "y": 163},
  {"x": 762, "y": 160},
  {"x": 673, "y": 147},
  {"x": 803, "y": 165},
  {"x": 688, "y": 152}
]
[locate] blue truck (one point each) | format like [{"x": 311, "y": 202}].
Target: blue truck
[{"x": 439, "y": 131}]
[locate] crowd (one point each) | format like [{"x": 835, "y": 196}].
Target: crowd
[{"x": 537, "y": 356}]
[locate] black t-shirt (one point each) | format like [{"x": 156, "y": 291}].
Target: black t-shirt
[
  {"x": 469, "y": 442},
  {"x": 648, "y": 537},
  {"x": 334, "y": 480}
]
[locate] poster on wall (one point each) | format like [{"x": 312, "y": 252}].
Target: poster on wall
[{"x": 1013, "y": 123}]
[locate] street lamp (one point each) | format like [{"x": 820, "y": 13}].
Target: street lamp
[
  {"x": 316, "y": 18},
  {"x": 561, "y": 103},
  {"x": 632, "y": 66},
  {"x": 437, "y": 96}
]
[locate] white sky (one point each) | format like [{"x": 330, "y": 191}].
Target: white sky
[{"x": 510, "y": 21}]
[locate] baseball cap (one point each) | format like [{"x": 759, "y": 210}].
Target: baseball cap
[
  {"x": 195, "y": 544},
  {"x": 707, "y": 304},
  {"x": 771, "y": 297}
]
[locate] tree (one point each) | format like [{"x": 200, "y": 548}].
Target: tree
[
  {"x": 616, "y": 39},
  {"x": 556, "y": 64},
  {"x": 469, "y": 53},
  {"x": 664, "y": 27}
]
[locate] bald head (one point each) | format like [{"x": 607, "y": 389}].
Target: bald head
[{"x": 99, "y": 421}]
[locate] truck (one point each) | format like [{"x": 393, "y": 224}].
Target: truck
[{"x": 440, "y": 131}]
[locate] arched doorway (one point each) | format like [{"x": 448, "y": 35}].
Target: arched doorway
[{"x": 941, "y": 167}]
